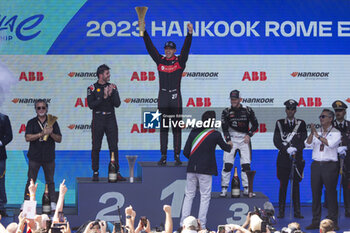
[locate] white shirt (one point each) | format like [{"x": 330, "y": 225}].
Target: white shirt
[{"x": 329, "y": 152}]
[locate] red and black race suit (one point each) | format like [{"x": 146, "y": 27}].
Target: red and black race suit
[{"x": 169, "y": 97}]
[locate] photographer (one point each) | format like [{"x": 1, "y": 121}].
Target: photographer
[
  {"x": 254, "y": 223},
  {"x": 144, "y": 223}
]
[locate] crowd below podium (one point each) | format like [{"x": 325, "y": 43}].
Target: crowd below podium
[{"x": 55, "y": 224}]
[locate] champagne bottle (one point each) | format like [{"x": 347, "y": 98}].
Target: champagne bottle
[
  {"x": 112, "y": 170},
  {"x": 46, "y": 203},
  {"x": 235, "y": 185}
]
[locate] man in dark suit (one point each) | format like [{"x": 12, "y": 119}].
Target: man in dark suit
[
  {"x": 200, "y": 150},
  {"x": 343, "y": 150},
  {"x": 289, "y": 136},
  {"x": 5, "y": 138}
]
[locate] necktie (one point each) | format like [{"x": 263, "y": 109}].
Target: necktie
[{"x": 341, "y": 126}]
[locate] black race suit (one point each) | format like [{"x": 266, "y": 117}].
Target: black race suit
[{"x": 103, "y": 121}]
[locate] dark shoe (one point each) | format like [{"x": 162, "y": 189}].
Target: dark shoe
[
  {"x": 177, "y": 160},
  {"x": 298, "y": 215},
  {"x": 162, "y": 161},
  {"x": 280, "y": 215},
  {"x": 313, "y": 226},
  {"x": 3, "y": 213},
  {"x": 120, "y": 178},
  {"x": 95, "y": 176}
]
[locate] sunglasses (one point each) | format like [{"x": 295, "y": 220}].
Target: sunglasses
[
  {"x": 290, "y": 108},
  {"x": 339, "y": 110},
  {"x": 323, "y": 116},
  {"x": 39, "y": 108}
]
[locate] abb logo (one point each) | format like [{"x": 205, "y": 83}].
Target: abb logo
[
  {"x": 31, "y": 76},
  {"x": 22, "y": 128},
  {"x": 81, "y": 102},
  {"x": 348, "y": 100},
  {"x": 310, "y": 102},
  {"x": 198, "y": 102},
  {"x": 140, "y": 129},
  {"x": 261, "y": 129},
  {"x": 254, "y": 76},
  {"x": 143, "y": 76}
]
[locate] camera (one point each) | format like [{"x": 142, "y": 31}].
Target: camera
[
  {"x": 144, "y": 221},
  {"x": 56, "y": 228},
  {"x": 221, "y": 229},
  {"x": 267, "y": 217},
  {"x": 118, "y": 227}
]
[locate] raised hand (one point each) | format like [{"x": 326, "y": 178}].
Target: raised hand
[
  {"x": 32, "y": 187},
  {"x": 63, "y": 188},
  {"x": 190, "y": 28},
  {"x": 167, "y": 209},
  {"x": 105, "y": 92},
  {"x": 128, "y": 210}
]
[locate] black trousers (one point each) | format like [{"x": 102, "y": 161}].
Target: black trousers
[
  {"x": 324, "y": 173},
  {"x": 283, "y": 174},
  {"x": 170, "y": 105},
  {"x": 49, "y": 172},
  {"x": 346, "y": 191},
  {"x": 103, "y": 124}
]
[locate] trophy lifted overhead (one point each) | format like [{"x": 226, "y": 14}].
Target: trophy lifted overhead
[
  {"x": 170, "y": 68},
  {"x": 141, "y": 13}
]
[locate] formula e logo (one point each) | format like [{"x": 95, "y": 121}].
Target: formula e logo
[
  {"x": 151, "y": 120},
  {"x": 24, "y": 29}
]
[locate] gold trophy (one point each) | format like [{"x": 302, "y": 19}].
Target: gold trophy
[
  {"x": 141, "y": 13},
  {"x": 50, "y": 121},
  {"x": 250, "y": 176}
]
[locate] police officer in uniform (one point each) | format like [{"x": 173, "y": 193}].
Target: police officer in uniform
[
  {"x": 289, "y": 136},
  {"x": 343, "y": 150},
  {"x": 102, "y": 98}
]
